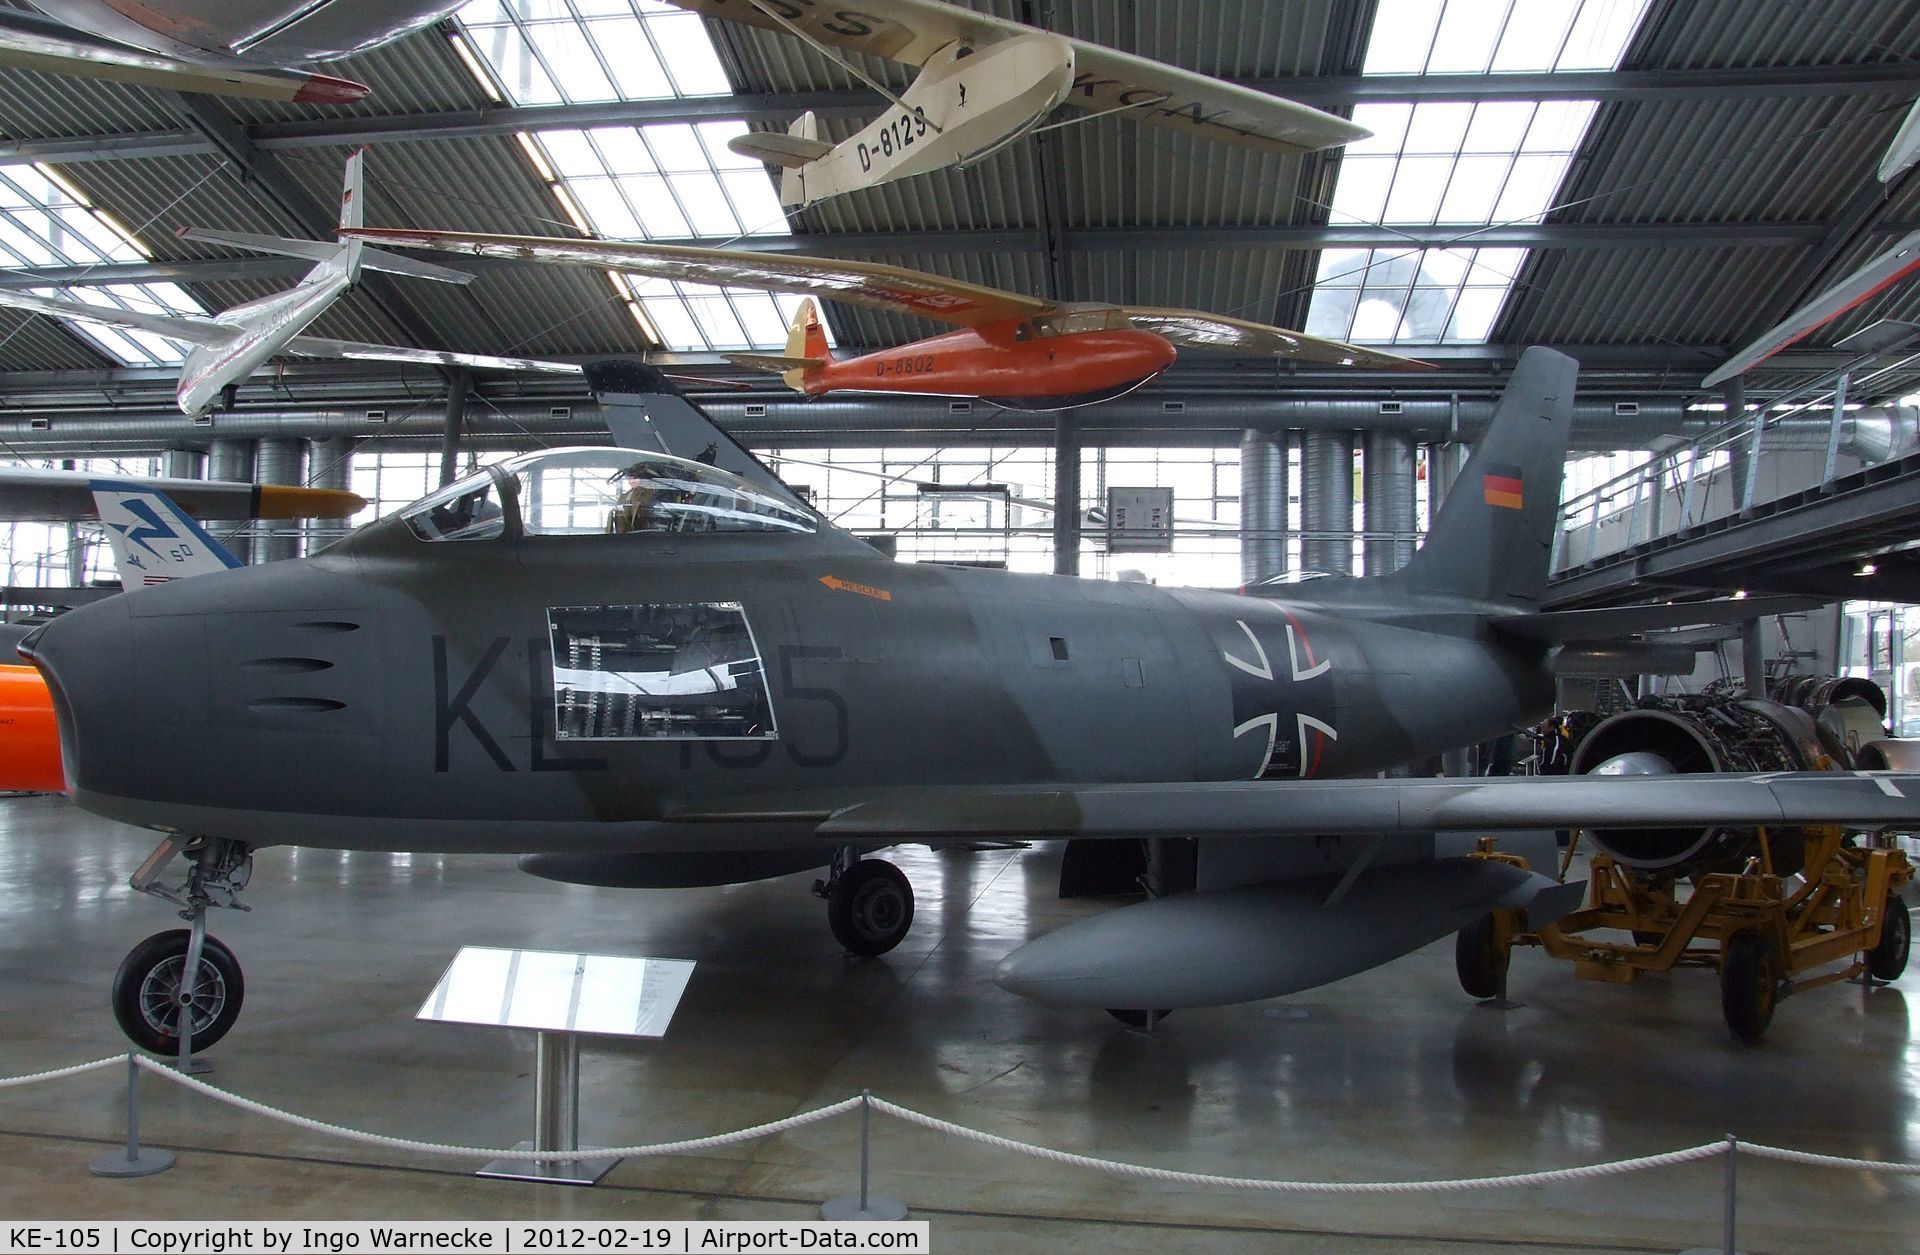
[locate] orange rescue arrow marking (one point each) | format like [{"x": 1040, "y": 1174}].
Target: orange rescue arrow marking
[{"x": 848, "y": 586}]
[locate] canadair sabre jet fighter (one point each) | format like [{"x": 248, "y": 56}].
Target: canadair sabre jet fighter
[
  {"x": 640, "y": 669},
  {"x": 1023, "y": 352}
]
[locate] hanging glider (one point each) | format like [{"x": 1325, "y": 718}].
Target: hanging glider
[
  {"x": 1020, "y": 351},
  {"x": 986, "y": 81},
  {"x": 252, "y": 50},
  {"x": 232, "y": 344},
  {"x": 1905, "y": 148},
  {"x": 1869, "y": 281}
]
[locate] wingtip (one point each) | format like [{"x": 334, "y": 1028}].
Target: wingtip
[{"x": 322, "y": 89}]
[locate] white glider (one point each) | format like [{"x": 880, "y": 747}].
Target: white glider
[
  {"x": 233, "y": 343},
  {"x": 984, "y": 82}
]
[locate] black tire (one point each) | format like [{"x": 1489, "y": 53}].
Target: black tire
[
  {"x": 145, "y": 987},
  {"x": 1888, "y": 959},
  {"x": 1749, "y": 983},
  {"x": 1479, "y": 959},
  {"x": 1138, "y": 1019},
  {"x": 870, "y": 907}
]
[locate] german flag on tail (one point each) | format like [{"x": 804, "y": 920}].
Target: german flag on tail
[{"x": 1501, "y": 486}]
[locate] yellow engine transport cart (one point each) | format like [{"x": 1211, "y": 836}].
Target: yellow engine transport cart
[{"x": 1767, "y": 935}]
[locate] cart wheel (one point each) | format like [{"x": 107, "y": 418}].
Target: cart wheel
[
  {"x": 1749, "y": 983},
  {"x": 1479, "y": 958},
  {"x": 1888, "y": 959}
]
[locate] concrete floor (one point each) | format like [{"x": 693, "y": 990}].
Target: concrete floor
[{"x": 1394, "y": 1074}]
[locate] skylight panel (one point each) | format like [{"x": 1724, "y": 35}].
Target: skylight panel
[
  {"x": 652, "y": 182},
  {"x": 1456, "y": 163},
  {"x": 544, "y": 52},
  {"x": 45, "y": 221}
]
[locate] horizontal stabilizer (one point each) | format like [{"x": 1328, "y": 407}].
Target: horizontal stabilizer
[
  {"x": 32, "y": 42},
  {"x": 324, "y": 250},
  {"x": 29, "y": 495},
  {"x": 1610, "y": 622},
  {"x": 774, "y": 362},
  {"x": 351, "y": 350},
  {"x": 777, "y": 148}
]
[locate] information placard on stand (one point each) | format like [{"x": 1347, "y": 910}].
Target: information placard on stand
[{"x": 561, "y": 997}]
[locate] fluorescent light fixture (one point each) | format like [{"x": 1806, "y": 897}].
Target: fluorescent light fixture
[
  {"x": 480, "y": 73},
  {"x": 538, "y": 158}
]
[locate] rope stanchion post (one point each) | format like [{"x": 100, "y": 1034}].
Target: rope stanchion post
[
  {"x": 1730, "y": 1157},
  {"x": 136, "y": 1161},
  {"x": 1733, "y": 1169},
  {"x": 864, "y": 1205}
]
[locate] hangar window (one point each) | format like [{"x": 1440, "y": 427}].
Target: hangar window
[
  {"x": 658, "y": 671},
  {"x": 1447, "y": 163},
  {"x": 47, "y": 221},
  {"x": 668, "y": 180}
]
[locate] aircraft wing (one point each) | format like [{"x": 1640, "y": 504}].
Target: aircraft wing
[
  {"x": 871, "y": 284},
  {"x": 36, "y": 496},
  {"x": 1870, "y": 280},
  {"x": 32, "y": 42},
  {"x": 1607, "y": 622},
  {"x": 1192, "y": 328},
  {"x": 352, "y": 350},
  {"x": 174, "y": 327},
  {"x": 1284, "y": 808},
  {"x": 911, "y": 31}
]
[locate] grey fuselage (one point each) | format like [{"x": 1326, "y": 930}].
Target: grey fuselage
[{"x": 394, "y": 693}]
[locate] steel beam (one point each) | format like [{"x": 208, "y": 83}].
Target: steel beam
[{"x": 1887, "y": 78}]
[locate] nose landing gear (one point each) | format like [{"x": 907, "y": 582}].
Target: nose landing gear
[
  {"x": 869, "y": 903},
  {"x": 181, "y": 990}
]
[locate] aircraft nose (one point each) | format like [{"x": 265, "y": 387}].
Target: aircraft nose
[{"x": 83, "y": 657}]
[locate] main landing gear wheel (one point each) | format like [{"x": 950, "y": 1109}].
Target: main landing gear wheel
[
  {"x": 1888, "y": 959},
  {"x": 149, "y": 995},
  {"x": 870, "y": 907},
  {"x": 1749, "y": 983},
  {"x": 1480, "y": 960}
]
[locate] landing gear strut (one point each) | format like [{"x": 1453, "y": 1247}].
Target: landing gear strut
[
  {"x": 181, "y": 990},
  {"x": 869, "y": 903}
]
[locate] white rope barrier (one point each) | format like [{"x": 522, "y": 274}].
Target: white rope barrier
[
  {"x": 112, "y": 1061},
  {"x": 1812, "y": 1160},
  {"x": 1553, "y": 1176},
  {"x": 687, "y": 1147},
  {"x": 1642, "y": 1164}
]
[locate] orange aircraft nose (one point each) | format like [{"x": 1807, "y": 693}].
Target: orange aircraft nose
[{"x": 29, "y": 734}]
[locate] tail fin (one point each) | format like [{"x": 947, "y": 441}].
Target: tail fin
[
  {"x": 806, "y": 341},
  {"x": 645, "y": 411},
  {"x": 153, "y": 539},
  {"x": 353, "y": 212},
  {"x": 793, "y": 179},
  {"x": 1494, "y": 534}
]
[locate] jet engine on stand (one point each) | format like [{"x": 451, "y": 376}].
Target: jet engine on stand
[{"x": 1764, "y": 907}]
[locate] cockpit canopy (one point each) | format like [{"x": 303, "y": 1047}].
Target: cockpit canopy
[{"x": 578, "y": 492}]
